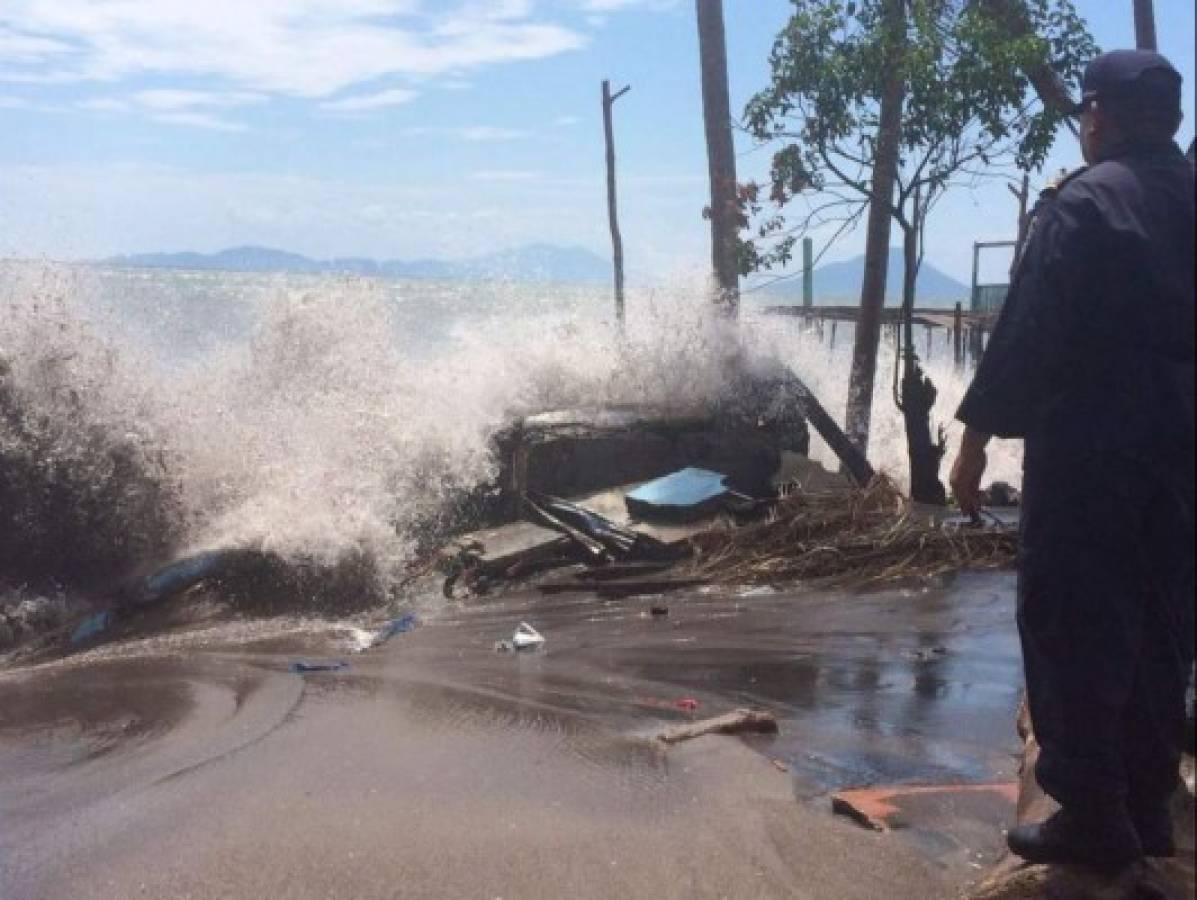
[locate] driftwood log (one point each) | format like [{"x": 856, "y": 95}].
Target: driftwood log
[
  {"x": 737, "y": 722},
  {"x": 1154, "y": 879}
]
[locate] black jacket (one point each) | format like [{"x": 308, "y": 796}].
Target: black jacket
[{"x": 1093, "y": 352}]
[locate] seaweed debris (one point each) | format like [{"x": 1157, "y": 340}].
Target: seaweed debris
[{"x": 868, "y": 534}]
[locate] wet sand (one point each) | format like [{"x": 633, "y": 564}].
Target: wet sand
[{"x": 437, "y": 767}]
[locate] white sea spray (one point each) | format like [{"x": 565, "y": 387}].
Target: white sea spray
[{"x": 327, "y": 417}]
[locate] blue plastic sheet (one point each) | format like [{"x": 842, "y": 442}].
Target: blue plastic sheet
[
  {"x": 302, "y": 667},
  {"x": 90, "y": 627},
  {"x": 400, "y": 625},
  {"x": 180, "y": 575},
  {"x": 681, "y": 496}
]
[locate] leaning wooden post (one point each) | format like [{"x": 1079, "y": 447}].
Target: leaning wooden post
[
  {"x": 808, "y": 273},
  {"x": 1145, "y": 25},
  {"x": 721, "y": 158},
  {"x": 1022, "y": 194},
  {"x": 612, "y": 215}
]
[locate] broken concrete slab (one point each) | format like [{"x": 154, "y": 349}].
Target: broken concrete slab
[
  {"x": 612, "y": 504},
  {"x": 571, "y": 452},
  {"x": 517, "y": 544}
]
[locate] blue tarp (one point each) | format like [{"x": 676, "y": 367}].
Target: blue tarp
[
  {"x": 302, "y": 667},
  {"x": 90, "y": 627},
  {"x": 679, "y": 497},
  {"x": 180, "y": 575},
  {"x": 401, "y": 625}
]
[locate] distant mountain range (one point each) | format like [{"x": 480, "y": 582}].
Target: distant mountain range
[
  {"x": 839, "y": 283},
  {"x": 835, "y": 283},
  {"x": 535, "y": 262}
]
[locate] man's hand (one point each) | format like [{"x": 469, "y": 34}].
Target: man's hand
[{"x": 967, "y": 471}]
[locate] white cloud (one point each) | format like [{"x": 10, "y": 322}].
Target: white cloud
[
  {"x": 566, "y": 121},
  {"x": 177, "y": 107},
  {"x": 198, "y": 120},
  {"x": 105, "y": 104},
  {"x": 379, "y": 100},
  {"x": 304, "y": 48},
  {"x": 16, "y": 47},
  {"x": 171, "y": 100},
  {"x": 505, "y": 175},
  {"x": 14, "y": 103},
  {"x": 471, "y": 133},
  {"x": 608, "y": 6}
]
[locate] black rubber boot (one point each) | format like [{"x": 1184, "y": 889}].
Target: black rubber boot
[
  {"x": 1107, "y": 842},
  {"x": 1154, "y": 826}
]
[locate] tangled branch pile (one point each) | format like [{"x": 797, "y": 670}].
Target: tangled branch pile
[{"x": 871, "y": 534}]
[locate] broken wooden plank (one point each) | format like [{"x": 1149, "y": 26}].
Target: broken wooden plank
[
  {"x": 737, "y": 722},
  {"x": 617, "y": 589}
]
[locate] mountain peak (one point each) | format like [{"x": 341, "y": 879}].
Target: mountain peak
[
  {"x": 839, "y": 283},
  {"x": 531, "y": 262}
]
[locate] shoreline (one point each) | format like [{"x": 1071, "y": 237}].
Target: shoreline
[{"x": 434, "y": 766}]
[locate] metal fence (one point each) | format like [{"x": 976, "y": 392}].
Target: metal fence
[{"x": 988, "y": 298}]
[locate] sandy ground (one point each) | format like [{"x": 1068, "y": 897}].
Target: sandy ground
[{"x": 437, "y": 767}]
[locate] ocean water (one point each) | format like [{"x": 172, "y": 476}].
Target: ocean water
[{"x": 324, "y": 417}]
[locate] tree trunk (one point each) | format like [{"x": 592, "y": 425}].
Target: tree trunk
[
  {"x": 872, "y": 291},
  {"x": 918, "y": 393},
  {"x": 721, "y": 157}
]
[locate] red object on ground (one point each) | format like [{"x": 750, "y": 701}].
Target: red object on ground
[
  {"x": 687, "y": 704},
  {"x": 881, "y": 808}
]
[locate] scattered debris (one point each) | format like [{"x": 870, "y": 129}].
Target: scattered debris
[
  {"x": 526, "y": 637},
  {"x": 658, "y": 611},
  {"x": 780, "y": 765},
  {"x": 601, "y": 539},
  {"x": 302, "y": 667},
  {"x": 878, "y": 808},
  {"x": 400, "y": 625},
  {"x": 870, "y": 534},
  {"x": 737, "y": 722}
]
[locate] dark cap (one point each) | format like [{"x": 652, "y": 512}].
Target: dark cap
[{"x": 1139, "y": 77}]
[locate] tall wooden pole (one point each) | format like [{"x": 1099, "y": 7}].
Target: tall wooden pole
[
  {"x": 1145, "y": 25},
  {"x": 721, "y": 158},
  {"x": 612, "y": 214}
]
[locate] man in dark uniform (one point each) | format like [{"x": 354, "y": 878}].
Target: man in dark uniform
[{"x": 1091, "y": 363}]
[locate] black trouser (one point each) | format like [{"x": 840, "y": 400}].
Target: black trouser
[{"x": 1105, "y": 614}]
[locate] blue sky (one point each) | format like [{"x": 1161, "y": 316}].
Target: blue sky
[{"x": 399, "y": 128}]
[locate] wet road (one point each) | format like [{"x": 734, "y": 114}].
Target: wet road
[{"x": 436, "y": 766}]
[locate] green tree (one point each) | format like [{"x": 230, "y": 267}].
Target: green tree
[{"x": 881, "y": 107}]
